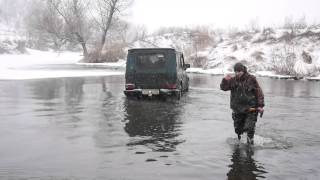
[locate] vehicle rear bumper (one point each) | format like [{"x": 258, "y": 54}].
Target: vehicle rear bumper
[{"x": 139, "y": 92}]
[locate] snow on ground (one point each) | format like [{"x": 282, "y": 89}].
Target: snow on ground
[
  {"x": 216, "y": 71},
  {"x": 273, "y": 75},
  {"x": 260, "y": 51},
  {"x": 27, "y": 74},
  {"x": 121, "y": 64},
  {"x": 21, "y": 66},
  {"x": 25, "y": 66},
  {"x": 35, "y": 57}
]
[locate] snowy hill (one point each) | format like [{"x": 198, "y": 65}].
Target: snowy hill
[
  {"x": 284, "y": 53},
  {"x": 294, "y": 52}
]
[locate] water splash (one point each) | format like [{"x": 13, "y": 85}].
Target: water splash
[{"x": 261, "y": 142}]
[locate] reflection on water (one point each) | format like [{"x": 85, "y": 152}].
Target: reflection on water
[
  {"x": 52, "y": 95},
  {"x": 243, "y": 165},
  {"x": 290, "y": 88},
  {"x": 156, "y": 123},
  {"x": 46, "y": 90},
  {"x": 70, "y": 88}
]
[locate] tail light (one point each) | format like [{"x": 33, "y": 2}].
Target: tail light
[
  {"x": 130, "y": 86},
  {"x": 170, "y": 86}
]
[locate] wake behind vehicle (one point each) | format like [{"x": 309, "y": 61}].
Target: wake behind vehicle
[{"x": 155, "y": 72}]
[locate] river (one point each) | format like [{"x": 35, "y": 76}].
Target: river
[{"x": 85, "y": 128}]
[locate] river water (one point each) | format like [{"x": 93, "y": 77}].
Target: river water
[{"x": 85, "y": 128}]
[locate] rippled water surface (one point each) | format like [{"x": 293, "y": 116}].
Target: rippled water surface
[{"x": 85, "y": 128}]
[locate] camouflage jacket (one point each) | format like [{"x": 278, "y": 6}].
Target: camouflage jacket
[{"x": 245, "y": 92}]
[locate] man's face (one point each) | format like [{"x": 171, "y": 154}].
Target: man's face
[{"x": 239, "y": 74}]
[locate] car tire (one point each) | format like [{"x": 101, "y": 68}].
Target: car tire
[
  {"x": 163, "y": 98},
  {"x": 139, "y": 96},
  {"x": 178, "y": 94}
]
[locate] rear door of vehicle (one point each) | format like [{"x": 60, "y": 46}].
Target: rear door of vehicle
[{"x": 151, "y": 69}]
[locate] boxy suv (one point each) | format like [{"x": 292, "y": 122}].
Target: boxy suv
[{"x": 156, "y": 72}]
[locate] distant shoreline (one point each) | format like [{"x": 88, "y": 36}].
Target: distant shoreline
[
  {"x": 269, "y": 74},
  {"x": 213, "y": 72}
]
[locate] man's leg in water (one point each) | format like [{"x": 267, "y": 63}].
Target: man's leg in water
[
  {"x": 250, "y": 125},
  {"x": 238, "y": 122}
]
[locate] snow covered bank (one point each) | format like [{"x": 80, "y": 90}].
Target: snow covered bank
[
  {"x": 270, "y": 74},
  {"x": 25, "y": 66},
  {"x": 35, "y": 57},
  {"x": 289, "y": 54},
  {"x": 217, "y": 71},
  {"x": 27, "y": 74},
  {"x": 121, "y": 64}
]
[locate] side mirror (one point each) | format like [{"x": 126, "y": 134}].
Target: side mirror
[{"x": 186, "y": 66}]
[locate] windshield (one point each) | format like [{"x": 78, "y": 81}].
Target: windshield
[{"x": 152, "y": 61}]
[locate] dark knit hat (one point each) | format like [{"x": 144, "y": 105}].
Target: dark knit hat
[{"x": 239, "y": 67}]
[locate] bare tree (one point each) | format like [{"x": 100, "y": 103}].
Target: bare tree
[
  {"x": 284, "y": 59},
  {"x": 74, "y": 14},
  {"x": 116, "y": 42},
  {"x": 66, "y": 22},
  {"x": 45, "y": 26},
  {"x": 106, "y": 11}
]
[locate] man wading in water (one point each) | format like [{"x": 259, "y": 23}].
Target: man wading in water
[{"x": 246, "y": 100}]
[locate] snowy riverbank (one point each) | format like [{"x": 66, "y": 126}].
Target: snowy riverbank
[
  {"x": 270, "y": 74},
  {"x": 36, "y": 65},
  {"x": 46, "y": 64}
]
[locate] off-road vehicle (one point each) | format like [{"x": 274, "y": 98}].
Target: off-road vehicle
[{"x": 155, "y": 72}]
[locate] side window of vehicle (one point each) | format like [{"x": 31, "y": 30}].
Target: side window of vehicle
[
  {"x": 181, "y": 61},
  {"x": 178, "y": 60}
]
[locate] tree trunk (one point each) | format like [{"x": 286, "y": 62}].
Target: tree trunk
[
  {"x": 103, "y": 41},
  {"x": 107, "y": 25},
  {"x": 84, "y": 48},
  {"x": 83, "y": 44}
]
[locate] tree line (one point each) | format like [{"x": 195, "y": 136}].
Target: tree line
[{"x": 56, "y": 24}]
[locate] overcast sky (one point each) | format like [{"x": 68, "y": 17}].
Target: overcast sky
[{"x": 221, "y": 13}]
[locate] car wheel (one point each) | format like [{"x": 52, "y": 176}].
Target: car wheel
[
  {"x": 163, "y": 97},
  {"x": 139, "y": 96},
  {"x": 178, "y": 94}
]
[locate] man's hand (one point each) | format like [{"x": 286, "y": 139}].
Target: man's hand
[
  {"x": 260, "y": 109},
  {"x": 228, "y": 77}
]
